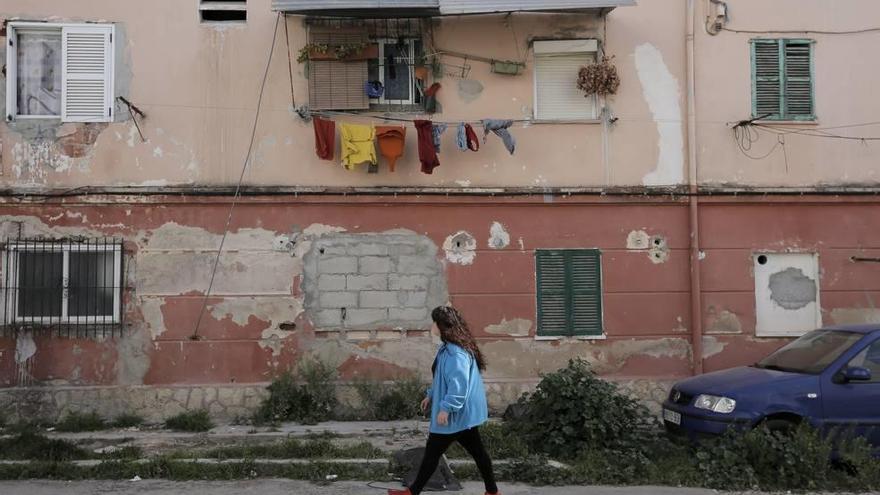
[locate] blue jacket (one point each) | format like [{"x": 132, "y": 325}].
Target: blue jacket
[{"x": 457, "y": 389}]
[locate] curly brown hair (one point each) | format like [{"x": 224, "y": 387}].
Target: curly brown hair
[{"x": 454, "y": 329}]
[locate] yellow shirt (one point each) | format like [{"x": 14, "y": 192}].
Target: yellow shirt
[{"x": 357, "y": 145}]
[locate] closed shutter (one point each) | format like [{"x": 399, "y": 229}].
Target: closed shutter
[
  {"x": 782, "y": 79},
  {"x": 569, "y": 292},
  {"x": 552, "y": 295},
  {"x": 87, "y": 71},
  {"x": 798, "y": 79},
  {"x": 556, "y": 92},
  {"x": 586, "y": 292},
  {"x": 767, "y": 82},
  {"x": 337, "y": 85}
]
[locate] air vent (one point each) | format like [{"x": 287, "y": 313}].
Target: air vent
[{"x": 223, "y": 10}]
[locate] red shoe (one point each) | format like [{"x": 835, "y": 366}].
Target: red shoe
[{"x": 405, "y": 491}]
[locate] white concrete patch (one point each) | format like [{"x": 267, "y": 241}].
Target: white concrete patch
[
  {"x": 25, "y": 347},
  {"x": 498, "y": 236},
  {"x": 157, "y": 152},
  {"x": 663, "y": 96},
  {"x": 518, "y": 327},
  {"x": 637, "y": 240},
  {"x": 712, "y": 347},
  {"x": 460, "y": 248}
]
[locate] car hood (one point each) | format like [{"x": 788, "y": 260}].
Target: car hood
[{"x": 737, "y": 380}]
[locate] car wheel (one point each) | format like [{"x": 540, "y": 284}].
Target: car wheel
[{"x": 782, "y": 426}]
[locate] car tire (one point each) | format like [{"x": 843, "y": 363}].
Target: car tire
[{"x": 784, "y": 427}]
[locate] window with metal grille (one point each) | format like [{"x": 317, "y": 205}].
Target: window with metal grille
[
  {"x": 569, "y": 283},
  {"x": 379, "y": 72},
  {"x": 223, "y": 10},
  {"x": 60, "y": 71},
  {"x": 782, "y": 79},
  {"x": 64, "y": 285}
]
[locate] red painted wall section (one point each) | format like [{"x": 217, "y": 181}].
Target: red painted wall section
[{"x": 645, "y": 300}]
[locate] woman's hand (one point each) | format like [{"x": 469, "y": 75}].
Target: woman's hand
[
  {"x": 443, "y": 418},
  {"x": 426, "y": 403}
]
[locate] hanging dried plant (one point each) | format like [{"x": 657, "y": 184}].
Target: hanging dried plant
[{"x": 599, "y": 79}]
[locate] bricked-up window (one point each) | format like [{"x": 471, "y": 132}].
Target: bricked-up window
[
  {"x": 60, "y": 71},
  {"x": 223, "y": 10},
  {"x": 72, "y": 286},
  {"x": 380, "y": 54},
  {"x": 569, "y": 283}
]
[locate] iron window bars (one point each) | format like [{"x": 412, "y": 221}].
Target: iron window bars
[{"x": 73, "y": 287}]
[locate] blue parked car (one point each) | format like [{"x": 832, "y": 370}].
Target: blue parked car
[{"x": 829, "y": 378}]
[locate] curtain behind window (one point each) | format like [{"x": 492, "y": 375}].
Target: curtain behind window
[{"x": 39, "y": 73}]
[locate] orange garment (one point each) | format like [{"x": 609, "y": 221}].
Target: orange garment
[{"x": 391, "y": 143}]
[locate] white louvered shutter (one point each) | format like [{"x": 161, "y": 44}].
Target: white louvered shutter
[
  {"x": 556, "y": 91},
  {"x": 87, "y": 68}
]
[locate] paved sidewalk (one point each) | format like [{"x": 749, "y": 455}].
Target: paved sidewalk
[{"x": 285, "y": 487}]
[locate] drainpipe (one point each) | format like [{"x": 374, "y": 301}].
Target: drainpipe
[{"x": 694, "y": 199}]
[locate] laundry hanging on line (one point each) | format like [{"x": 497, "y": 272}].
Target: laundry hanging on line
[
  {"x": 392, "y": 141},
  {"x": 357, "y": 145},
  {"x": 500, "y": 128},
  {"x": 427, "y": 151},
  {"x": 467, "y": 139},
  {"x": 325, "y": 137},
  {"x": 437, "y": 131}
]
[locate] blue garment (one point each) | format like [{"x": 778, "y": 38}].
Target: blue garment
[
  {"x": 436, "y": 131},
  {"x": 457, "y": 389}
]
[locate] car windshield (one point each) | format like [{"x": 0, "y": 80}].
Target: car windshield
[{"x": 812, "y": 353}]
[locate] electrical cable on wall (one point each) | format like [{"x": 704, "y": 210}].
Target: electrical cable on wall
[{"x": 244, "y": 168}]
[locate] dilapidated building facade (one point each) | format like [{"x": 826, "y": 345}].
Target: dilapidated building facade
[{"x": 174, "y": 235}]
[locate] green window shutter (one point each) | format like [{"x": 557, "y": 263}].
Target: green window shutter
[
  {"x": 585, "y": 275},
  {"x": 798, "y": 95},
  {"x": 569, "y": 292},
  {"x": 766, "y": 79},
  {"x": 552, "y": 294}
]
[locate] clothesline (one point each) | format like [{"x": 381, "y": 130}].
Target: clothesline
[{"x": 475, "y": 123}]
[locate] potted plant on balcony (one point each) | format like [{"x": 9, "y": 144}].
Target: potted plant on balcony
[{"x": 344, "y": 52}]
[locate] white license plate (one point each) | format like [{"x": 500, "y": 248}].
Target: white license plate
[{"x": 672, "y": 416}]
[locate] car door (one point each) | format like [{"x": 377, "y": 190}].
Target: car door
[{"x": 854, "y": 406}]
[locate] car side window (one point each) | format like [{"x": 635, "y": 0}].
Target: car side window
[{"x": 870, "y": 360}]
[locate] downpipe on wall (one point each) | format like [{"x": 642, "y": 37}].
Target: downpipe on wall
[{"x": 694, "y": 203}]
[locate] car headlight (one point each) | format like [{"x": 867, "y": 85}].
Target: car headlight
[{"x": 717, "y": 404}]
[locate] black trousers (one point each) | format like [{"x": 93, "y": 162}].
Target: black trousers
[{"x": 436, "y": 447}]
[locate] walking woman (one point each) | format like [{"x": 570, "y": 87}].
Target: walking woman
[{"x": 457, "y": 400}]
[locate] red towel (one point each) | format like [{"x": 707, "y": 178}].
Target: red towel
[
  {"x": 325, "y": 137},
  {"x": 473, "y": 142},
  {"x": 427, "y": 151}
]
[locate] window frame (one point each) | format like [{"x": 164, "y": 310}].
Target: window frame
[
  {"x": 411, "y": 44},
  {"x": 782, "y": 58},
  {"x": 875, "y": 378},
  {"x": 12, "y": 47},
  {"x": 562, "y": 47},
  {"x": 65, "y": 249},
  {"x": 569, "y": 291}
]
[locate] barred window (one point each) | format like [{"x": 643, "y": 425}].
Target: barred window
[{"x": 64, "y": 284}]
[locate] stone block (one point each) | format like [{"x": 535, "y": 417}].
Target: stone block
[
  {"x": 367, "y": 282},
  {"x": 368, "y": 249},
  {"x": 358, "y": 335},
  {"x": 414, "y": 299},
  {"x": 333, "y": 250},
  {"x": 379, "y": 299},
  {"x": 409, "y": 314},
  {"x": 328, "y": 318},
  {"x": 407, "y": 282},
  {"x": 338, "y": 299},
  {"x": 361, "y": 317},
  {"x": 331, "y": 282},
  {"x": 230, "y": 397},
  {"x": 416, "y": 265},
  {"x": 338, "y": 264},
  {"x": 374, "y": 264}
]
